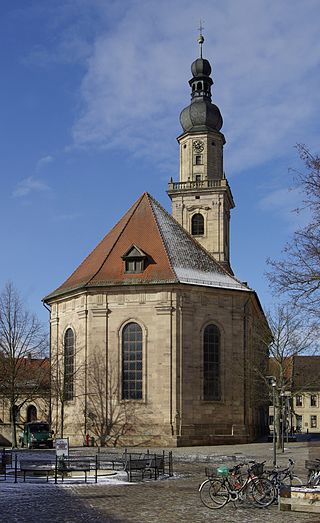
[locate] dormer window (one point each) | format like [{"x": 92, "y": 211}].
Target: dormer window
[{"x": 134, "y": 260}]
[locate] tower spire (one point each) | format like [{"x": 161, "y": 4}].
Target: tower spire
[{"x": 200, "y": 37}]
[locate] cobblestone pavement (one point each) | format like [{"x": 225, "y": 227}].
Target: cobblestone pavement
[
  {"x": 168, "y": 500},
  {"x": 177, "y": 500}
]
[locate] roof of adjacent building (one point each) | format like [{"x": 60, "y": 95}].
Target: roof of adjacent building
[
  {"x": 173, "y": 255},
  {"x": 306, "y": 373},
  {"x": 301, "y": 373}
]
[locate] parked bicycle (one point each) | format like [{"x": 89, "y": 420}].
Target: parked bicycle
[
  {"x": 283, "y": 477},
  {"x": 224, "y": 485},
  {"x": 314, "y": 473}
]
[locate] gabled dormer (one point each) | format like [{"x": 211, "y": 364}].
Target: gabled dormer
[{"x": 135, "y": 260}]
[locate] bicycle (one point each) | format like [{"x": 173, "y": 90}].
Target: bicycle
[
  {"x": 284, "y": 477},
  {"x": 314, "y": 473},
  {"x": 224, "y": 485}
]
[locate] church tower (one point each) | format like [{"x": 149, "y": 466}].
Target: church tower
[{"x": 202, "y": 199}]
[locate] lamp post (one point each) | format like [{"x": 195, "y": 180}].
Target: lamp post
[
  {"x": 287, "y": 395},
  {"x": 283, "y": 418},
  {"x": 273, "y": 382}
]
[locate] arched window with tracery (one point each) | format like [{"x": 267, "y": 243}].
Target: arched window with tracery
[
  {"x": 69, "y": 369},
  {"x": 211, "y": 363},
  {"x": 197, "y": 225},
  {"x": 132, "y": 362}
]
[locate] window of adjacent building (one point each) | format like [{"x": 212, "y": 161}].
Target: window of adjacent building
[
  {"x": 270, "y": 420},
  {"x": 313, "y": 422},
  {"x": 69, "y": 365},
  {"x": 32, "y": 413},
  {"x": 298, "y": 423},
  {"x": 132, "y": 362},
  {"x": 299, "y": 401},
  {"x": 197, "y": 225},
  {"x": 211, "y": 363},
  {"x": 313, "y": 400}
]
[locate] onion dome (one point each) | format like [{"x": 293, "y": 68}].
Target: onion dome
[
  {"x": 201, "y": 66},
  {"x": 201, "y": 114}
]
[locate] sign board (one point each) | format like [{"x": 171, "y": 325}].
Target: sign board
[{"x": 62, "y": 447}]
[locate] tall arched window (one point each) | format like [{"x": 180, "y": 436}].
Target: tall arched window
[
  {"x": 197, "y": 225},
  {"x": 211, "y": 363},
  {"x": 69, "y": 369},
  {"x": 132, "y": 362}
]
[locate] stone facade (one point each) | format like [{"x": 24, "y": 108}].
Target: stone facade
[{"x": 172, "y": 411}]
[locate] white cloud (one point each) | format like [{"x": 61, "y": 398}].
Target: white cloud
[
  {"x": 136, "y": 57},
  {"x": 45, "y": 160},
  {"x": 29, "y": 185},
  {"x": 265, "y": 64}
]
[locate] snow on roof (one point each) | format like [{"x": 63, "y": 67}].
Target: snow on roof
[{"x": 191, "y": 263}]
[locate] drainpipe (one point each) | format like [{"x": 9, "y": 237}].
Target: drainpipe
[
  {"x": 180, "y": 366},
  {"x": 108, "y": 389},
  {"x": 245, "y": 340},
  {"x": 171, "y": 377},
  {"x": 86, "y": 367},
  {"x": 50, "y": 395}
]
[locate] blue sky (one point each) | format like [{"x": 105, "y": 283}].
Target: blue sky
[{"x": 91, "y": 93}]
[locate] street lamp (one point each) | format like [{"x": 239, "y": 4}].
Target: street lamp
[
  {"x": 273, "y": 382},
  {"x": 283, "y": 418},
  {"x": 287, "y": 395}
]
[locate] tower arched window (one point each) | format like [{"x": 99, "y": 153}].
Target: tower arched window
[
  {"x": 197, "y": 225},
  {"x": 69, "y": 369},
  {"x": 211, "y": 363},
  {"x": 199, "y": 86},
  {"x": 132, "y": 362}
]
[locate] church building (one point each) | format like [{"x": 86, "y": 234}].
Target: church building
[{"x": 153, "y": 338}]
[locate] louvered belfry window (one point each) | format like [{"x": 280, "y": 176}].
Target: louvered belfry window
[
  {"x": 211, "y": 363},
  {"x": 69, "y": 365},
  {"x": 197, "y": 225},
  {"x": 132, "y": 362}
]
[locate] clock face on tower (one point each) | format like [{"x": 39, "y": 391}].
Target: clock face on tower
[{"x": 198, "y": 146}]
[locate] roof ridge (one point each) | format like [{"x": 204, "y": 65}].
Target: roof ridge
[
  {"x": 133, "y": 209},
  {"x": 160, "y": 231},
  {"x": 197, "y": 244}
]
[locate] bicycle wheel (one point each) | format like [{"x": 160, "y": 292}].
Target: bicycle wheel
[
  {"x": 293, "y": 481},
  {"x": 213, "y": 493},
  {"x": 263, "y": 492}
]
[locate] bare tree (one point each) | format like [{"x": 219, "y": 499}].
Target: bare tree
[
  {"x": 290, "y": 335},
  {"x": 22, "y": 340},
  {"x": 108, "y": 418},
  {"x": 298, "y": 273}
]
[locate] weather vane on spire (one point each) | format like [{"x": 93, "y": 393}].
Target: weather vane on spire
[{"x": 200, "y": 38}]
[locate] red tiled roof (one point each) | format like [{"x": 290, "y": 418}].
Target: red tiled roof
[
  {"x": 105, "y": 265},
  {"x": 173, "y": 255}
]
